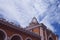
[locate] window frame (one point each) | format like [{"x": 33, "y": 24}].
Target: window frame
[
  {"x": 4, "y": 33},
  {"x": 50, "y": 36},
  {"x": 16, "y": 35},
  {"x": 28, "y": 38}
]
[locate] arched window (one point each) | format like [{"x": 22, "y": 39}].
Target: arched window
[
  {"x": 16, "y": 37},
  {"x": 28, "y": 38},
  {"x": 2, "y": 35},
  {"x": 50, "y": 38}
]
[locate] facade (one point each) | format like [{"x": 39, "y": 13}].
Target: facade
[{"x": 34, "y": 31}]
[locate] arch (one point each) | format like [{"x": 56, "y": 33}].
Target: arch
[
  {"x": 50, "y": 37},
  {"x": 3, "y": 35},
  {"x": 16, "y": 37},
  {"x": 28, "y": 38}
]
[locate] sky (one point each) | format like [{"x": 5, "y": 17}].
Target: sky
[{"x": 21, "y": 12}]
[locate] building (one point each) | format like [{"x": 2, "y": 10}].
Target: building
[{"x": 35, "y": 31}]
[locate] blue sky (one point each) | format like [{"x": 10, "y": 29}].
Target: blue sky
[{"x": 22, "y": 11}]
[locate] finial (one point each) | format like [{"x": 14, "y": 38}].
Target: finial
[{"x": 34, "y": 20}]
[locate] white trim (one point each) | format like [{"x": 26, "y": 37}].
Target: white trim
[
  {"x": 28, "y": 38},
  {"x": 56, "y": 38},
  {"x": 16, "y": 35},
  {"x": 45, "y": 34},
  {"x": 41, "y": 33},
  {"x": 4, "y": 33},
  {"x": 50, "y": 36},
  {"x": 33, "y": 27}
]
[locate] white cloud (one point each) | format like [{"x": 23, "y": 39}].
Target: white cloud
[
  {"x": 51, "y": 15},
  {"x": 23, "y": 10},
  {"x": 47, "y": 23}
]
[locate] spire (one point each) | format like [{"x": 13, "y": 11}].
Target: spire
[{"x": 34, "y": 21}]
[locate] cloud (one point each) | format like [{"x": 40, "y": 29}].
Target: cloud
[
  {"x": 47, "y": 23},
  {"x": 51, "y": 15},
  {"x": 22, "y": 11}
]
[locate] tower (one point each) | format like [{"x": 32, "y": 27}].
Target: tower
[{"x": 41, "y": 30}]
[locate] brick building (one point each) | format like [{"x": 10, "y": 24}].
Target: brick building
[{"x": 35, "y": 31}]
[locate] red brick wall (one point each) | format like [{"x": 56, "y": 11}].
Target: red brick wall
[
  {"x": 36, "y": 30},
  {"x": 10, "y": 31},
  {"x": 46, "y": 33}
]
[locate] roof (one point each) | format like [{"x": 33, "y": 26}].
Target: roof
[
  {"x": 38, "y": 25},
  {"x": 3, "y": 21}
]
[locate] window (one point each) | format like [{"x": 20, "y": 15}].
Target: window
[
  {"x": 28, "y": 38},
  {"x": 16, "y": 37},
  {"x": 2, "y": 35},
  {"x": 50, "y": 38}
]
